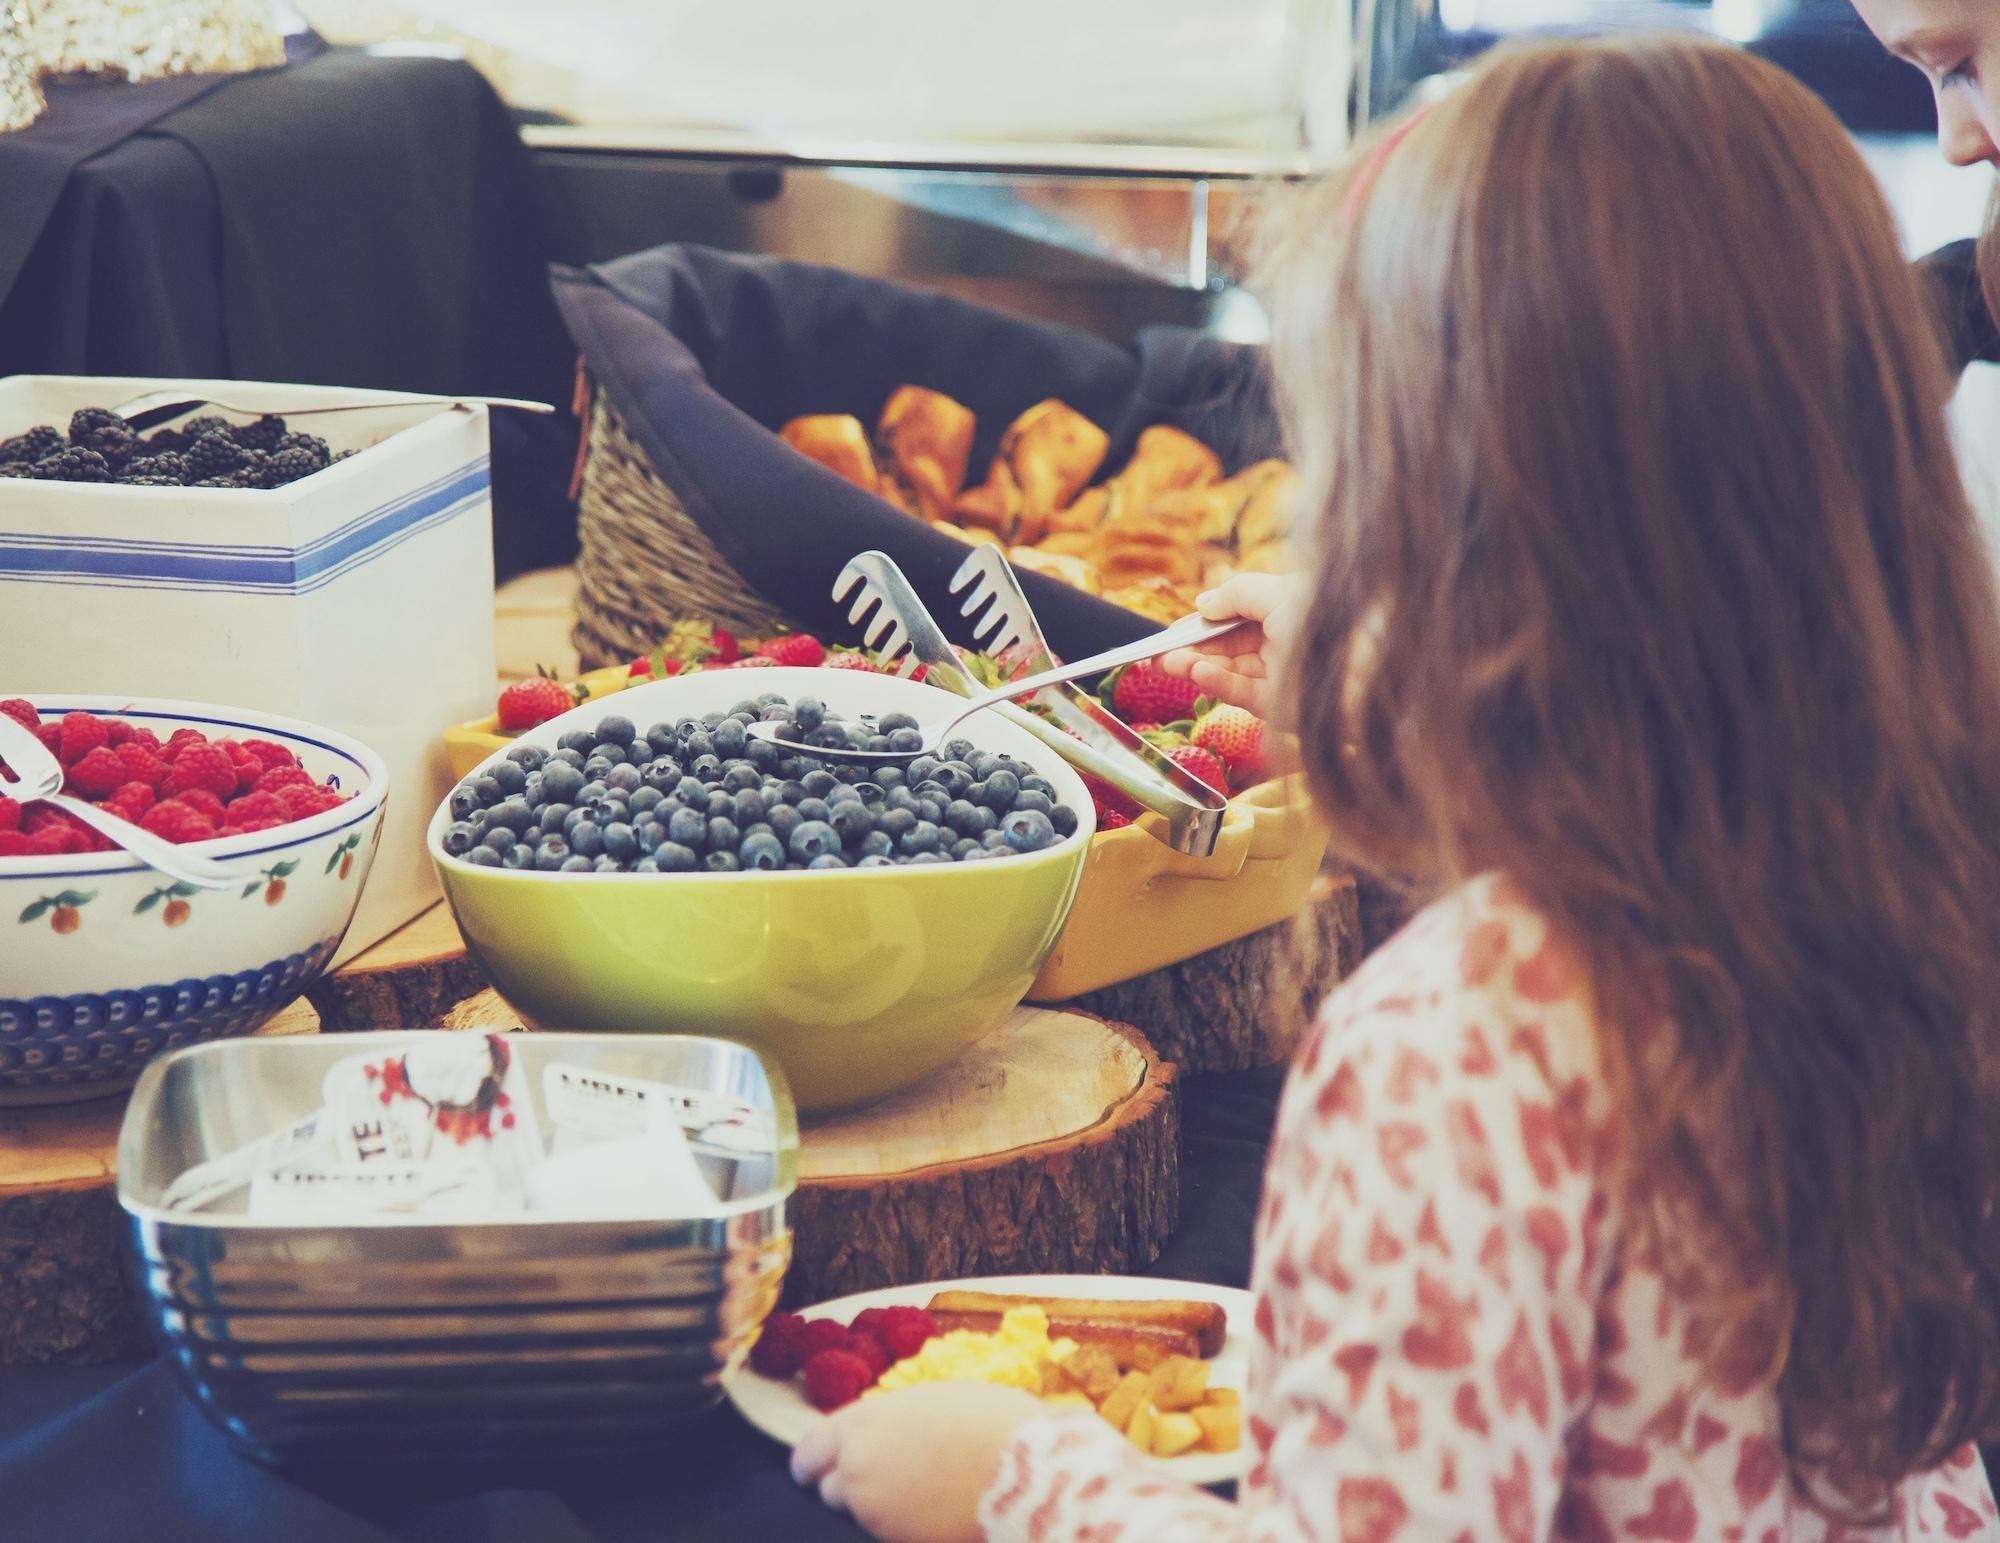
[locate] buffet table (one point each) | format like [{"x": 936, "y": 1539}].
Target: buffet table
[{"x": 115, "y": 1451}]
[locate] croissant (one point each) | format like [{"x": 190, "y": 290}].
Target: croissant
[
  {"x": 838, "y": 443},
  {"x": 1165, "y": 459},
  {"x": 925, "y": 440},
  {"x": 1266, "y": 514},
  {"x": 1048, "y": 455}
]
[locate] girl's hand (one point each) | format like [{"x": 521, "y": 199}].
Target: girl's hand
[
  {"x": 1240, "y": 666},
  {"x": 911, "y": 1465}
]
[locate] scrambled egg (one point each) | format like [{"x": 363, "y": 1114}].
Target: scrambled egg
[{"x": 1012, "y": 1355}]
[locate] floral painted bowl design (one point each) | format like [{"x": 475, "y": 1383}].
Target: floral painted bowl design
[{"x": 105, "y": 963}]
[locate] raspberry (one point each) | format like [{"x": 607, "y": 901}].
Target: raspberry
[
  {"x": 870, "y": 1321},
  {"x": 251, "y": 828},
  {"x": 836, "y": 1377},
  {"x": 203, "y": 803},
  {"x": 10, "y": 814},
  {"x": 131, "y": 801},
  {"x": 908, "y": 1330},
  {"x": 270, "y": 753},
  {"x": 780, "y": 1347},
  {"x": 283, "y": 777},
  {"x": 50, "y": 734},
  {"x": 255, "y": 806},
  {"x": 51, "y": 841},
  {"x": 174, "y": 821},
  {"x": 118, "y": 731},
  {"x": 823, "y": 1334},
  {"x": 141, "y": 764},
  {"x": 182, "y": 740},
  {"x": 81, "y": 734},
  {"x": 13, "y": 844},
  {"x": 529, "y": 702},
  {"x": 794, "y": 648},
  {"x": 98, "y": 774},
  {"x": 1144, "y": 692},
  {"x": 22, "y": 712},
  {"x": 147, "y": 740},
  {"x": 300, "y": 802},
  {"x": 871, "y": 1350},
  {"x": 42, "y": 817},
  {"x": 202, "y": 766}
]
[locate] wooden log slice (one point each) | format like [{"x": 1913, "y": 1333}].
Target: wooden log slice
[
  {"x": 409, "y": 980},
  {"x": 64, "y": 1295},
  {"x": 1245, "y": 1003},
  {"x": 1052, "y": 1145}
]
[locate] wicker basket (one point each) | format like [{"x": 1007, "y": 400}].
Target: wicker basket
[{"x": 644, "y": 563}]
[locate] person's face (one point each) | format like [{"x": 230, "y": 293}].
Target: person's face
[{"x": 1956, "y": 43}]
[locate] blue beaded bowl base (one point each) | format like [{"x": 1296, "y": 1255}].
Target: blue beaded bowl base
[{"x": 105, "y": 1037}]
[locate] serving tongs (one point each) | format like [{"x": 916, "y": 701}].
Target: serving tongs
[{"x": 903, "y": 629}]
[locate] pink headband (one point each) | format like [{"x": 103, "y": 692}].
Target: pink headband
[{"x": 1372, "y": 167}]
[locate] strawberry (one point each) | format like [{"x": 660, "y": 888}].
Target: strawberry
[
  {"x": 202, "y": 766},
  {"x": 1106, "y": 797},
  {"x": 848, "y": 659},
  {"x": 799, "y": 649},
  {"x": 753, "y": 662},
  {"x": 727, "y": 649},
  {"x": 98, "y": 774},
  {"x": 81, "y": 734},
  {"x": 535, "y": 700},
  {"x": 1144, "y": 692},
  {"x": 1233, "y": 734},
  {"x": 22, "y": 711},
  {"x": 1112, "y": 819},
  {"x": 1202, "y": 763},
  {"x": 836, "y": 1377}
]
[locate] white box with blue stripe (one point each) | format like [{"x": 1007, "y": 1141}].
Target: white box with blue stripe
[{"x": 360, "y": 597}]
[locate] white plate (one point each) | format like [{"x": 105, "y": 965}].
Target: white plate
[{"x": 780, "y": 1410}]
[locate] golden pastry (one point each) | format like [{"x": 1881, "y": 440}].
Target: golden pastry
[
  {"x": 837, "y": 442},
  {"x": 925, "y": 440}
]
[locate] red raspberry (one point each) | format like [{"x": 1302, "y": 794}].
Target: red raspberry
[
  {"x": 13, "y": 844},
  {"x": 50, "y": 734},
  {"x": 203, "y": 803},
  {"x": 283, "y": 777},
  {"x": 256, "y": 806},
  {"x": 98, "y": 774},
  {"x": 52, "y": 841},
  {"x": 22, "y": 711},
  {"x": 780, "y": 1347},
  {"x": 89, "y": 840},
  {"x": 201, "y": 766},
  {"x": 141, "y": 764},
  {"x": 81, "y": 734},
  {"x": 175, "y": 821},
  {"x": 907, "y": 1331},
  {"x": 10, "y": 814},
  {"x": 131, "y": 801},
  {"x": 42, "y": 817},
  {"x": 836, "y": 1377},
  {"x": 870, "y": 1321},
  {"x": 871, "y": 1350},
  {"x": 117, "y": 731},
  {"x": 270, "y": 753},
  {"x": 146, "y": 739},
  {"x": 823, "y": 1334},
  {"x": 183, "y": 739},
  {"x": 300, "y": 803},
  {"x": 250, "y": 827},
  {"x": 797, "y": 648}
]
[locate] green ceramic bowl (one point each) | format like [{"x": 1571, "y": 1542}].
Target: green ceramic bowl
[{"x": 857, "y": 982}]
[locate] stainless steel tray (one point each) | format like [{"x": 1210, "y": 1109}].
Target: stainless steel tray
[{"x": 540, "y": 1338}]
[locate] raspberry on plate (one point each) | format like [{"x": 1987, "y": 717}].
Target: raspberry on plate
[
  {"x": 142, "y": 763},
  {"x": 203, "y": 803},
  {"x": 835, "y": 1378},
  {"x": 183, "y": 739},
  {"x": 271, "y": 753},
  {"x": 824, "y": 1334},
  {"x": 175, "y": 821},
  {"x": 81, "y": 734},
  {"x": 202, "y": 766},
  {"x": 276, "y": 777},
  {"x": 22, "y": 712},
  {"x": 907, "y": 1331},
  {"x": 780, "y": 1349},
  {"x": 98, "y": 775}
]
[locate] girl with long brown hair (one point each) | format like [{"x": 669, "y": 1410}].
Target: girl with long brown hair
[{"x": 1644, "y": 1186}]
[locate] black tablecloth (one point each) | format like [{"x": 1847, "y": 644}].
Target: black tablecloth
[
  {"x": 352, "y": 220},
  {"x": 113, "y": 1454}
]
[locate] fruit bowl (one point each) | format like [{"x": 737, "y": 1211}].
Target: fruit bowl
[
  {"x": 857, "y": 981},
  {"x": 104, "y": 963}
]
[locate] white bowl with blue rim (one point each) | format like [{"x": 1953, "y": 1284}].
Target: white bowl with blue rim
[{"x": 105, "y": 963}]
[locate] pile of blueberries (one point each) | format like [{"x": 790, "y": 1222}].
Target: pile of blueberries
[{"x": 703, "y": 794}]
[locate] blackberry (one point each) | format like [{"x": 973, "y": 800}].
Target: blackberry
[
  {"x": 216, "y": 482},
  {"x": 251, "y": 474},
  {"x": 168, "y": 439},
  {"x": 165, "y": 467},
  {"x": 289, "y": 466},
  {"x": 87, "y": 423},
  {"x": 263, "y": 435},
  {"x": 150, "y": 482},
  {"x": 73, "y": 465},
  {"x": 195, "y": 428},
  {"x": 213, "y": 455},
  {"x": 16, "y": 469},
  {"x": 311, "y": 444},
  {"x": 119, "y": 445},
  {"x": 28, "y": 448}
]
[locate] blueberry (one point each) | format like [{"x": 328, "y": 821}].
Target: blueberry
[
  {"x": 843, "y": 793},
  {"x": 649, "y": 831},
  {"x": 647, "y": 799},
  {"x": 489, "y": 790},
  {"x": 586, "y": 838},
  {"x": 591, "y": 792},
  {"x": 828, "y": 860},
  {"x": 464, "y": 801},
  {"x": 899, "y": 798},
  {"x": 954, "y": 777},
  {"x": 606, "y": 864},
  {"x": 994, "y": 841},
  {"x": 480, "y": 820},
  {"x": 762, "y": 756},
  {"x": 1042, "y": 785},
  {"x": 570, "y": 758},
  {"x": 483, "y": 857},
  {"x": 617, "y": 730},
  {"x": 730, "y": 739},
  {"x": 922, "y": 769},
  {"x": 888, "y": 723},
  {"x": 961, "y": 817},
  {"x": 922, "y": 837},
  {"x": 828, "y": 736},
  {"x": 813, "y": 838},
  {"x": 792, "y": 792},
  {"x": 903, "y": 740},
  {"x": 597, "y": 768},
  {"x": 707, "y": 768},
  {"x": 869, "y": 792},
  {"x": 459, "y": 839},
  {"x": 663, "y": 739},
  {"x": 624, "y": 779},
  {"x": 887, "y": 777},
  {"x": 510, "y": 777},
  {"x": 718, "y": 805},
  {"x": 551, "y": 817},
  {"x": 1041, "y": 803},
  {"x": 898, "y": 823},
  {"x": 984, "y": 765},
  {"x": 877, "y": 743},
  {"x": 533, "y": 791},
  {"x": 932, "y": 808},
  {"x": 691, "y": 791},
  {"x": 520, "y": 855},
  {"x": 962, "y": 849},
  {"x": 573, "y": 819},
  {"x": 814, "y": 808},
  {"x": 783, "y": 821},
  {"x": 809, "y": 712},
  {"x": 528, "y": 757},
  {"x": 959, "y": 749},
  {"x": 761, "y": 850},
  {"x": 929, "y": 857},
  {"x": 1063, "y": 818},
  {"x": 579, "y": 740},
  {"x": 616, "y": 754},
  {"x": 552, "y": 854},
  {"x": 697, "y": 745},
  {"x": 621, "y": 842},
  {"x": 1028, "y": 830},
  {"x": 1002, "y": 788},
  {"x": 513, "y": 814},
  {"x": 675, "y": 857},
  {"x": 687, "y": 826},
  {"x": 663, "y": 775},
  {"x": 561, "y": 783},
  {"x": 749, "y": 808},
  {"x": 712, "y": 720},
  {"x": 740, "y": 775},
  {"x": 747, "y": 707},
  {"x": 721, "y": 862},
  {"x": 646, "y": 865},
  {"x": 853, "y": 820},
  {"x": 876, "y": 844},
  {"x": 684, "y": 727},
  {"x": 874, "y": 860},
  {"x": 577, "y": 863},
  {"x": 723, "y": 834}
]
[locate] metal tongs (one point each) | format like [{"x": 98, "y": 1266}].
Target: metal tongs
[{"x": 1097, "y": 742}]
